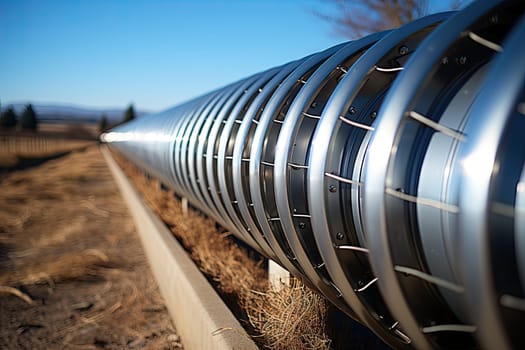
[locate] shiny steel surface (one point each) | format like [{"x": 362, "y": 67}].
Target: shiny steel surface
[
  {"x": 337, "y": 144},
  {"x": 388, "y": 173},
  {"x": 290, "y": 166},
  {"x": 491, "y": 166},
  {"x": 392, "y": 174}
]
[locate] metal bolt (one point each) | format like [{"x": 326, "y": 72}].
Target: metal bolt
[
  {"x": 352, "y": 110},
  {"x": 373, "y": 115},
  {"x": 403, "y": 50},
  {"x": 340, "y": 235},
  {"x": 332, "y": 189}
]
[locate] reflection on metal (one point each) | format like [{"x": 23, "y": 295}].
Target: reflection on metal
[{"x": 413, "y": 223}]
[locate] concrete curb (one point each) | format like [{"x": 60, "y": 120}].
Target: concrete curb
[{"x": 202, "y": 319}]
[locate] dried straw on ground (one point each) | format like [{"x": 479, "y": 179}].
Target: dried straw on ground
[{"x": 78, "y": 265}]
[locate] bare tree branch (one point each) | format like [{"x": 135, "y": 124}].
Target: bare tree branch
[{"x": 353, "y": 19}]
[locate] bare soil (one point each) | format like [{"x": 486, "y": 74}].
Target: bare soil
[{"x": 72, "y": 271}]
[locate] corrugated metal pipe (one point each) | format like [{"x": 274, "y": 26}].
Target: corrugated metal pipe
[{"x": 388, "y": 173}]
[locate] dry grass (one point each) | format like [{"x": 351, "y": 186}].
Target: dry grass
[
  {"x": 82, "y": 265},
  {"x": 68, "y": 250},
  {"x": 17, "y": 293},
  {"x": 291, "y": 318}
]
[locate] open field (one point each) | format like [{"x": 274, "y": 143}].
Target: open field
[
  {"x": 26, "y": 148},
  {"x": 24, "y": 151},
  {"x": 66, "y": 129},
  {"x": 76, "y": 130},
  {"x": 72, "y": 270}
]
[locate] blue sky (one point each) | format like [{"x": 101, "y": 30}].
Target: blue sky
[{"x": 155, "y": 54}]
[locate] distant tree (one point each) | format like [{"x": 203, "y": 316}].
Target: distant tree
[
  {"x": 28, "y": 120},
  {"x": 129, "y": 114},
  {"x": 8, "y": 118},
  {"x": 353, "y": 19},
  {"x": 103, "y": 124}
]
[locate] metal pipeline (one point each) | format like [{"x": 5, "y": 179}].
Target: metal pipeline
[{"x": 388, "y": 173}]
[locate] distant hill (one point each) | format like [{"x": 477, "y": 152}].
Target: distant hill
[{"x": 63, "y": 113}]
